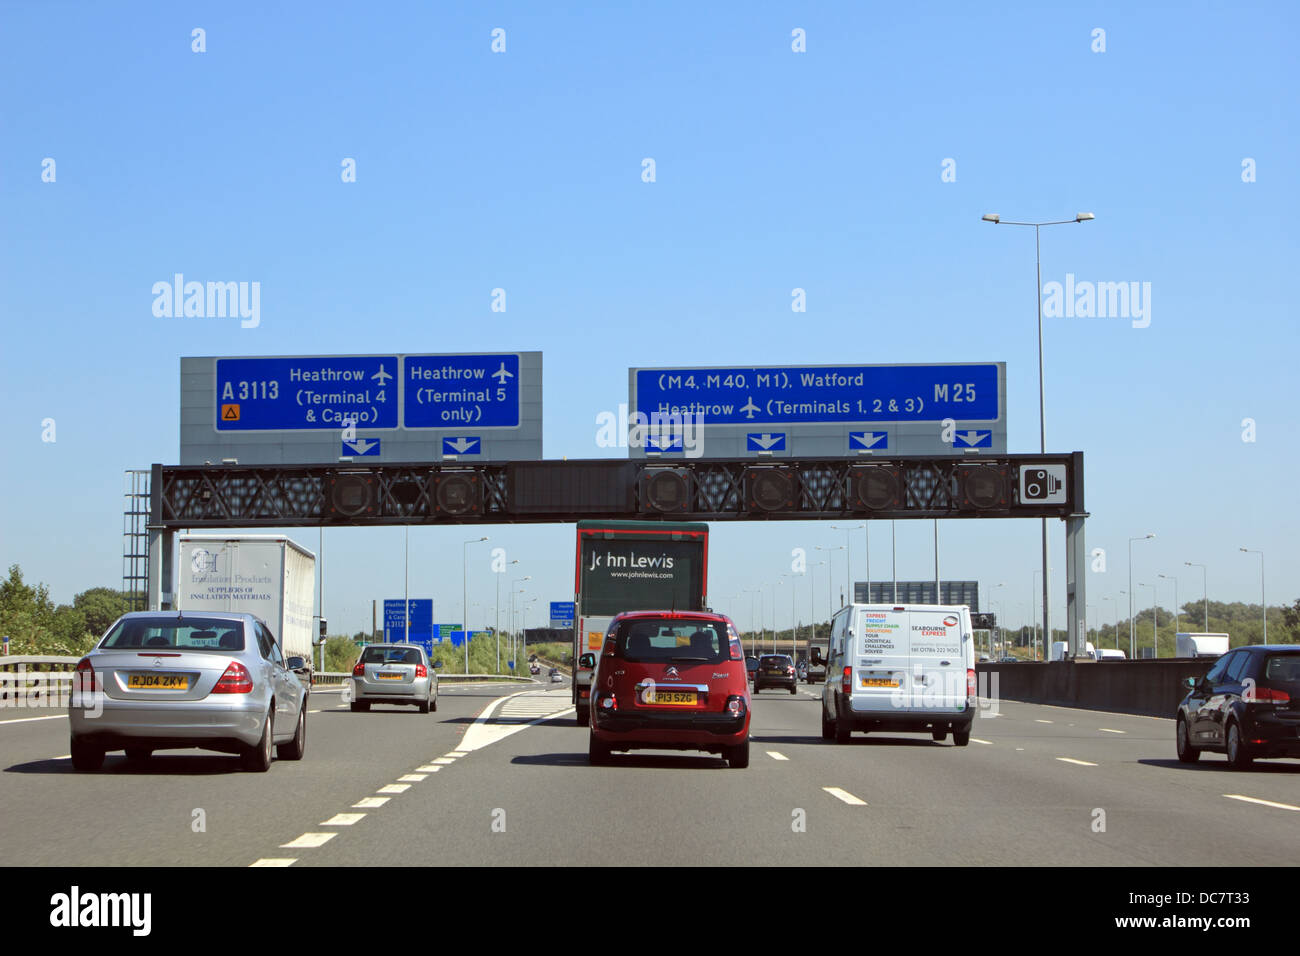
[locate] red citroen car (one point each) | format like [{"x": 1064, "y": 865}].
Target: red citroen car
[{"x": 671, "y": 680}]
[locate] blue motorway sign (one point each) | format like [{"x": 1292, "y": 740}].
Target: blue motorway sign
[
  {"x": 421, "y": 612},
  {"x": 561, "y": 614},
  {"x": 278, "y": 394},
  {"x": 821, "y": 394},
  {"x": 446, "y": 391}
]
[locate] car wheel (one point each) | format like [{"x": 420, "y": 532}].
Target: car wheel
[
  {"x": 1239, "y": 756},
  {"x": 138, "y": 754},
  {"x": 1186, "y": 752},
  {"x": 598, "y": 752},
  {"x": 738, "y": 756},
  {"x": 424, "y": 706},
  {"x": 842, "y": 731},
  {"x": 295, "y": 748},
  {"x": 257, "y": 758},
  {"x": 939, "y": 735},
  {"x": 828, "y": 728},
  {"x": 433, "y": 704},
  {"x": 86, "y": 756},
  {"x": 793, "y": 689},
  {"x": 961, "y": 737}
]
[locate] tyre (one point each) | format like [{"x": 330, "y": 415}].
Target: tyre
[
  {"x": 433, "y": 704},
  {"x": 1239, "y": 755},
  {"x": 257, "y": 758},
  {"x": 138, "y": 755},
  {"x": 584, "y": 716},
  {"x": 359, "y": 707},
  {"x": 424, "y": 706},
  {"x": 86, "y": 756},
  {"x": 738, "y": 756},
  {"x": 793, "y": 689},
  {"x": 842, "y": 730},
  {"x": 828, "y": 728},
  {"x": 961, "y": 737},
  {"x": 939, "y": 735},
  {"x": 598, "y": 752},
  {"x": 295, "y": 748},
  {"x": 1186, "y": 752}
]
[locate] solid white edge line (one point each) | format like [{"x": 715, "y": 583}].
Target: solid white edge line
[
  {"x": 1107, "y": 730},
  {"x": 28, "y": 720},
  {"x": 1262, "y": 803}
]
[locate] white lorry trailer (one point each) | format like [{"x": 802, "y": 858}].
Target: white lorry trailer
[
  {"x": 1189, "y": 644},
  {"x": 269, "y": 576}
]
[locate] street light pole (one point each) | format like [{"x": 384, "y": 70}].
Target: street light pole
[
  {"x": 1262, "y": 601},
  {"x": 1132, "y": 625},
  {"x": 1175, "y": 580},
  {"x": 848, "y": 570},
  {"x": 1042, "y": 405},
  {"x": 464, "y": 594},
  {"x": 1205, "y": 594}
]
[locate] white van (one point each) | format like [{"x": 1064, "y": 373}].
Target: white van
[
  {"x": 1061, "y": 650},
  {"x": 909, "y": 668},
  {"x": 1110, "y": 654}
]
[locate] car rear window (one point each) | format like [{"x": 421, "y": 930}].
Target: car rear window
[
  {"x": 375, "y": 654},
  {"x": 1284, "y": 668},
  {"x": 780, "y": 659},
  {"x": 673, "y": 640},
  {"x": 189, "y": 634}
]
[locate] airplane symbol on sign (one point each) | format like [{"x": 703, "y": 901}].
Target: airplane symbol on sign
[
  {"x": 382, "y": 377},
  {"x": 749, "y": 408},
  {"x": 501, "y": 374}
]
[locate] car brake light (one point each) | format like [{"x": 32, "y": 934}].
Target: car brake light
[
  {"x": 737, "y": 652},
  {"x": 358, "y": 669},
  {"x": 736, "y": 706},
  {"x": 421, "y": 670},
  {"x": 85, "y": 675},
  {"x": 608, "y": 702},
  {"x": 1267, "y": 694},
  {"x": 235, "y": 680},
  {"x": 971, "y": 685},
  {"x": 846, "y": 681}
]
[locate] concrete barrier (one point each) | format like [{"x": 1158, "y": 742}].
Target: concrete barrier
[{"x": 1150, "y": 688}]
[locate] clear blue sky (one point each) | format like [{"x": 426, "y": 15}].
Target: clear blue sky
[{"x": 775, "y": 170}]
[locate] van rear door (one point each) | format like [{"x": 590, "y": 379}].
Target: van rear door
[
  {"x": 878, "y": 648},
  {"x": 939, "y": 640}
]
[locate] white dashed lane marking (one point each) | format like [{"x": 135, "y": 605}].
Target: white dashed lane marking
[
  {"x": 1081, "y": 763},
  {"x": 308, "y": 841},
  {"x": 343, "y": 819},
  {"x": 777, "y": 756},
  {"x": 274, "y": 861},
  {"x": 1107, "y": 730},
  {"x": 844, "y": 795},
  {"x": 394, "y": 788},
  {"x": 371, "y": 803},
  {"x": 1262, "y": 803}
]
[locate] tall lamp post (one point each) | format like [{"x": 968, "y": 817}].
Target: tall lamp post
[
  {"x": 1175, "y": 580},
  {"x": 830, "y": 573},
  {"x": 464, "y": 594},
  {"x": 500, "y": 572},
  {"x": 1205, "y": 594},
  {"x": 516, "y": 590},
  {"x": 1042, "y": 413},
  {"x": 1262, "y": 602},
  {"x": 848, "y": 568},
  {"x": 1153, "y": 614},
  {"x": 1132, "y": 625}
]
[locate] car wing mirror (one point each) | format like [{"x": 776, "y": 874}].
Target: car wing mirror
[
  {"x": 296, "y": 664},
  {"x": 817, "y": 656},
  {"x": 587, "y": 660},
  {"x": 437, "y": 664}
]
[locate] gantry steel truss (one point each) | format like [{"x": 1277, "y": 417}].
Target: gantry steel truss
[{"x": 748, "y": 489}]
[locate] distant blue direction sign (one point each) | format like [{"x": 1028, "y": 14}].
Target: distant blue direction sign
[
  {"x": 561, "y": 614},
  {"x": 421, "y": 614},
  {"x": 821, "y": 394},
  {"x": 462, "y": 445},
  {"x": 446, "y": 391},
  {"x": 765, "y": 441},
  {"x": 321, "y": 392},
  {"x": 972, "y": 438},
  {"x": 874, "y": 441}
]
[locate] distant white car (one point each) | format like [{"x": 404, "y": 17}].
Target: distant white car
[{"x": 1110, "y": 654}]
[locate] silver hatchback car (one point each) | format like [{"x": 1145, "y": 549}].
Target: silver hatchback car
[
  {"x": 160, "y": 680},
  {"x": 394, "y": 674}
]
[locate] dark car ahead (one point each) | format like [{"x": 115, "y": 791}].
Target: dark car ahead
[
  {"x": 1247, "y": 706},
  {"x": 751, "y": 666},
  {"x": 775, "y": 670},
  {"x": 670, "y": 680}
]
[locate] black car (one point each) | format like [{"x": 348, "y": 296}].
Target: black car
[
  {"x": 751, "y": 666},
  {"x": 1247, "y": 706},
  {"x": 775, "y": 670}
]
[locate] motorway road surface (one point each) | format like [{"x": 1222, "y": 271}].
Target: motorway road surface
[{"x": 1037, "y": 785}]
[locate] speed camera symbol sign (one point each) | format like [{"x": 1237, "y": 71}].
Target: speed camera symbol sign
[{"x": 1043, "y": 485}]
